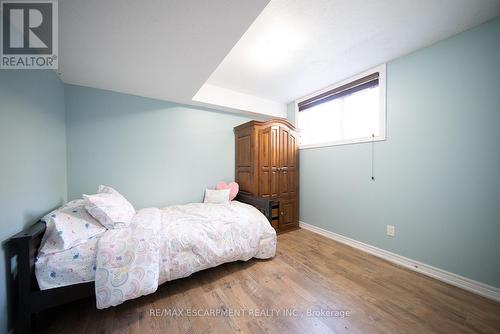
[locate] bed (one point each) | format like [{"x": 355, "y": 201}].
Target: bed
[{"x": 43, "y": 282}]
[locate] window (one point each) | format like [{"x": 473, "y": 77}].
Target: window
[{"x": 350, "y": 112}]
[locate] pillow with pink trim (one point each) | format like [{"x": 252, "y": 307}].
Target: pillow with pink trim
[
  {"x": 67, "y": 227},
  {"x": 232, "y": 186},
  {"x": 109, "y": 208}
]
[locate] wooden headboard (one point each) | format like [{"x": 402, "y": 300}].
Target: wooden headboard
[{"x": 22, "y": 249}]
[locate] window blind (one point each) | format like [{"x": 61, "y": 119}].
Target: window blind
[{"x": 368, "y": 81}]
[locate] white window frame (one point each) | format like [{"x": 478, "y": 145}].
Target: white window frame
[{"x": 381, "y": 69}]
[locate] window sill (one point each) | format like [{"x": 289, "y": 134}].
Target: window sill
[{"x": 343, "y": 142}]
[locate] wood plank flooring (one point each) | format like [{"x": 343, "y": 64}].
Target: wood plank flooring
[{"x": 309, "y": 272}]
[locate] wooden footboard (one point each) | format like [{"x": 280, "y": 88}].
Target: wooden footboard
[{"x": 264, "y": 205}]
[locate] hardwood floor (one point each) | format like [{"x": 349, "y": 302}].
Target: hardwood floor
[{"x": 309, "y": 272}]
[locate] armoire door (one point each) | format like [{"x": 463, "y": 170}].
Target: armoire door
[
  {"x": 288, "y": 214},
  {"x": 288, "y": 175},
  {"x": 244, "y": 161},
  {"x": 268, "y": 162}
]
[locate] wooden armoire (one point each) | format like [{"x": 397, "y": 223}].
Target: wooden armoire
[{"x": 267, "y": 165}]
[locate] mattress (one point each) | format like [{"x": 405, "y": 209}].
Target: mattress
[
  {"x": 193, "y": 237},
  {"x": 72, "y": 266}
]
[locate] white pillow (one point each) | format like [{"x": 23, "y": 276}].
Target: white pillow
[
  {"x": 217, "y": 196},
  {"x": 67, "y": 227},
  {"x": 110, "y": 208}
]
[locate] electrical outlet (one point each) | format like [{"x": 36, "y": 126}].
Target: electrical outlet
[{"x": 391, "y": 230}]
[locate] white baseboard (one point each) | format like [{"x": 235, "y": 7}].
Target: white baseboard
[{"x": 465, "y": 283}]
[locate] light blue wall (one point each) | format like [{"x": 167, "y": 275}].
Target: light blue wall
[
  {"x": 438, "y": 173},
  {"x": 290, "y": 112},
  {"x": 33, "y": 154},
  {"x": 156, "y": 153}
]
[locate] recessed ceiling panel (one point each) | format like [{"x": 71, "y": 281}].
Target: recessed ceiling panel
[{"x": 296, "y": 47}]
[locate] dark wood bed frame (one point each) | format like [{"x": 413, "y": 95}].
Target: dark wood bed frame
[{"x": 26, "y": 297}]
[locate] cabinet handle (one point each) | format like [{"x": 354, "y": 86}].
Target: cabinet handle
[{"x": 282, "y": 213}]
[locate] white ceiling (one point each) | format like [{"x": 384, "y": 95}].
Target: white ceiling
[
  {"x": 223, "y": 54},
  {"x": 296, "y": 47},
  {"x": 164, "y": 49}
]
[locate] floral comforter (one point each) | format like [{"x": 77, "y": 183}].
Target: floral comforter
[{"x": 174, "y": 242}]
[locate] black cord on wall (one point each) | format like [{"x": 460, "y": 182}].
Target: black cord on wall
[{"x": 373, "y": 157}]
